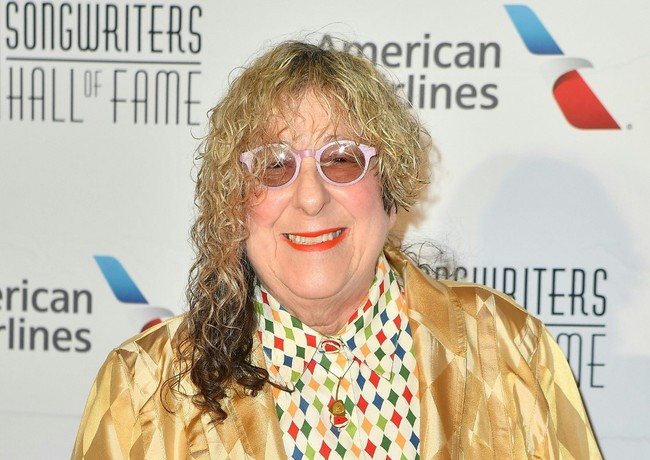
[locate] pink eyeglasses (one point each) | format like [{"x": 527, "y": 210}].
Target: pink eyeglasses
[{"x": 341, "y": 162}]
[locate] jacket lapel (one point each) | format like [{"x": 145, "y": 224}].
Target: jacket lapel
[
  {"x": 438, "y": 331},
  {"x": 257, "y": 426}
]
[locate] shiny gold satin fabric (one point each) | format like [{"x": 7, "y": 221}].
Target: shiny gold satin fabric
[{"x": 493, "y": 385}]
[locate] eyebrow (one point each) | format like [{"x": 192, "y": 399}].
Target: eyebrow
[{"x": 323, "y": 140}]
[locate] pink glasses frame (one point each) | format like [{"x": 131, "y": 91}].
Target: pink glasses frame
[{"x": 368, "y": 153}]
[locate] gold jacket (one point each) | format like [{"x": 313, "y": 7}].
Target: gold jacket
[{"x": 493, "y": 385}]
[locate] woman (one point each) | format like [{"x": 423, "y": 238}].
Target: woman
[{"x": 309, "y": 336}]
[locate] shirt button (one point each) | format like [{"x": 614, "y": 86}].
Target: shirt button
[{"x": 329, "y": 345}]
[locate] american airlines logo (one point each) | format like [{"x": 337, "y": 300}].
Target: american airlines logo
[
  {"x": 578, "y": 102},
  {"x": 126, "y": 291}
]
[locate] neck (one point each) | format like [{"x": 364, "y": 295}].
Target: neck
[{"x": 324, "y": 316}]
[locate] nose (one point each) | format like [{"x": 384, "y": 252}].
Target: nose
[{"x": 311, "y": 193}]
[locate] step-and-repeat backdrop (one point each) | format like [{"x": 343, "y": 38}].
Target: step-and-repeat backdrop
[{"x": 539, "y": 112}]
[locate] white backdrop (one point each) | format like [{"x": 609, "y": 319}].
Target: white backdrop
[{"x": 97, "y": 160}]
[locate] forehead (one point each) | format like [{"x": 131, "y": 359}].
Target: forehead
[{"x": 308, "y": 119}]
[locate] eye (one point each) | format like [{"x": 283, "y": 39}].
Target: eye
[
  {"x": 343, "y": 162},
  {"x": 342, "y": 155},
  {"x": 273, "y": 156},
  {"x": 277, "y": 161},
  {"x": 275, "y": 165}
]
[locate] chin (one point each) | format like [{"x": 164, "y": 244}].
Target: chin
[{"x": 318, "y": 290}]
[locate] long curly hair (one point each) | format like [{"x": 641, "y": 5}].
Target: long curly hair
[{"x": 215, "y": 340}]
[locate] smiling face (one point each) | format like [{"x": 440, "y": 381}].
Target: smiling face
[{"x": 315, "y": 245}]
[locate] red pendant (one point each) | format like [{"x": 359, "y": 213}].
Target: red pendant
[{"x": 339, "y": 417}]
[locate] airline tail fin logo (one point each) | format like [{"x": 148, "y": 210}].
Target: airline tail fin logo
[
  {"x": 126, "y": 291},
  {"x": 119, "y": 280},
  {"x": 580, "y": 106}
]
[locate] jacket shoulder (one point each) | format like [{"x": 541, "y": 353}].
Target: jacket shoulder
[
  {"x": 163, "y": 331},
  {"x": 487, "y": 308},
  {"x": 458, "y": 312},
  {"x": 150, "y": 353},
  {"x": 473, "y": 295}
]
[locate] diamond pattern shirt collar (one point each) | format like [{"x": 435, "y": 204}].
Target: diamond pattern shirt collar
[{"x": 370, "y": 335}]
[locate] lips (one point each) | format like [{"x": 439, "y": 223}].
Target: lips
[{"x": 316, "y": 241}]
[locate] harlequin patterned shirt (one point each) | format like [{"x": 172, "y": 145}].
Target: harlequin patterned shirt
[{"x": 369, "y": 366}]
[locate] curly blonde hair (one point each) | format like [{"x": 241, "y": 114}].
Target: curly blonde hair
[{"x": 215, "y": 340}]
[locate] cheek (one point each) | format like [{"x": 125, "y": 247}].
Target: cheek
[
  {"x": 258, "y": 224},
  {"x": 258, "y": 243},
  {"x": 367, "y": 200},
  {"x": 262, "y": 215},
  {"x": 255, "y": 199},
  {"x": 372, "y": 208}
]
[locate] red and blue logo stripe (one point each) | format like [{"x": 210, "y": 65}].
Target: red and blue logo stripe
[
  {"x": 579, "y": 104},
  {"x": 126, "y": 291}
]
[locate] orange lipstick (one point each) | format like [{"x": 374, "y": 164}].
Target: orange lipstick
[{"x": 320, "y": 240}]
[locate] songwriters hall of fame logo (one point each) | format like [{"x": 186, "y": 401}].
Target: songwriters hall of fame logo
[
  {"x": 577, "y": 101},
  {"x": 112, "y": 62}
]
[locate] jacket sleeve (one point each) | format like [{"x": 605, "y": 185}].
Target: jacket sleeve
[
  {"x": 570, "y": 423},
  {"x": 109, "y": 428}
]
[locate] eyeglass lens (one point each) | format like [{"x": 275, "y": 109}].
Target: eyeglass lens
[{"x": 341, "y": 163}]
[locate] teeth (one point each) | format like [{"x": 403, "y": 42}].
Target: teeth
[{"x": 313, "y": 239}]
